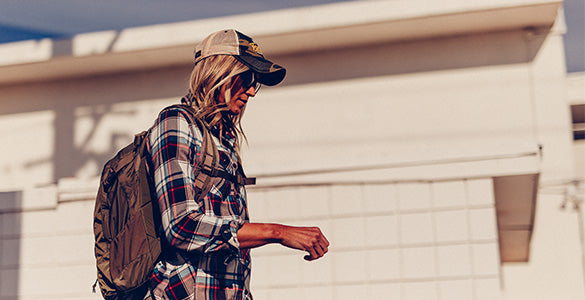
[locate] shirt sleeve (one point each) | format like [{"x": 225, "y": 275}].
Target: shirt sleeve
[{"x": 187, "y": 224}]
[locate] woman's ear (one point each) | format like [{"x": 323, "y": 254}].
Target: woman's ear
[{"x": 219, "y": 94}]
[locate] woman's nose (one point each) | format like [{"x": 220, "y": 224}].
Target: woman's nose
[{"x": 251, "y": 91}]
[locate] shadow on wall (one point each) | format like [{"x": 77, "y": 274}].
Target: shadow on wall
[
  {"x": 97, "y": 100},
  {"x": 10, "y": 228},
  {"x": 447, "y": 53},
  {"x": 98, "y": 96}
]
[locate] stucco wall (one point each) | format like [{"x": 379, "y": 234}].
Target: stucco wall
[
  {"x": 392, "y": 102},
  {"x": 433, "y": 240},
  {"x": 48, "y": 253},
  {"x": 421, "y": 102}
]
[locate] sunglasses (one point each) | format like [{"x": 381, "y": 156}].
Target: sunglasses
[{"x": 250, "y": 79}]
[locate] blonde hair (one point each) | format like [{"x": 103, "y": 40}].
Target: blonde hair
[{"x": 211, "y": 77}]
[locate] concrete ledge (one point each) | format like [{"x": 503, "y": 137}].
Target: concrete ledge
[
  {"x": 72, "y": 189},
  {"x": 438, "y": 169},
  {"x": 463, "y": 167},
  {"x": 48, "y": 198},
  {"x": 28, "y": 199}
]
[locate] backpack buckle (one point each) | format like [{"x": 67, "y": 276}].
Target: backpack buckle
[
  {"x": 243, "y": 180},
  {"x": 249, "y": 180}
]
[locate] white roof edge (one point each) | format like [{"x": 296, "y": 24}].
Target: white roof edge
[
  {"x": 286, "y": 21},
  {"x": 387, "y": 20}
]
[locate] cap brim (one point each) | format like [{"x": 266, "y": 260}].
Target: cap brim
[{"x": 270, "y": 73}]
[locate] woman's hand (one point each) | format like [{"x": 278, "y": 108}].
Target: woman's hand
[{"x": 309, "y": 239}]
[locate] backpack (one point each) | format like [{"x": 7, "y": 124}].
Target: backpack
[{"x": 126, "y": 216}]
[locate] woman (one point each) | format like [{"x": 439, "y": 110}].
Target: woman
[{"x": 208, "y": 238}]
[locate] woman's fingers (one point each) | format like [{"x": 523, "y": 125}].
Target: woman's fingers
[
  {"x": 313, "y": 253},
  {"x": 320, "y": 247},
  {"x": 309, "y": 239}
]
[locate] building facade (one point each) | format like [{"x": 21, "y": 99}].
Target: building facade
[{"x": 431, "y": 143}]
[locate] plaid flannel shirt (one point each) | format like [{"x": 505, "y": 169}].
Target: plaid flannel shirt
[{"x": 202, "y": 259}]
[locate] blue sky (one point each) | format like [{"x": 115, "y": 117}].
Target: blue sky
[
  {"x": 575, "y": 37},
  {"x": 31, "y": 19},
  {"x": 35, "y": 19}
]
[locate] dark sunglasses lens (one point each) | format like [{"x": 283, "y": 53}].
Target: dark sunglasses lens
[{"x": 247, "y": 78}]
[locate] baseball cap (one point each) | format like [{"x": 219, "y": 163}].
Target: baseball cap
[{"x": 243, "y": 48}]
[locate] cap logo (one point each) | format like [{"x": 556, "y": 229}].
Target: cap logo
[
  {"x": 250, "y": 48},
  {"x": 255, "y": 47}
]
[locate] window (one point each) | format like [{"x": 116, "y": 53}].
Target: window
[{"x": 578, "y": 117}]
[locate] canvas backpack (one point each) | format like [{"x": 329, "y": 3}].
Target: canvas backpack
[{"x": 126, "y": 216}]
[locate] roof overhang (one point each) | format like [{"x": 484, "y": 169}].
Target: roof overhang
[{"x": 290, "y": 31}]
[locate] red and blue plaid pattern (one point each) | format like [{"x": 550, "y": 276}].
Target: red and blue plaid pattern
[{"x": 203, "y": 259}]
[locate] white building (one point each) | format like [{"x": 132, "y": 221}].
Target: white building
[{"x": 432, "y": 143}]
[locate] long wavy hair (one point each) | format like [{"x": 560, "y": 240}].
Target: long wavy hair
[{"x": 210, "y": 78}]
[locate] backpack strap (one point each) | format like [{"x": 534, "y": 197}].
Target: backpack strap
[
  {"x": 143, "y": 168},
  {"x": 209, "y": 155},
  {"x": 209, "y": 162},
  {"x": 240, "y": 178}
]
